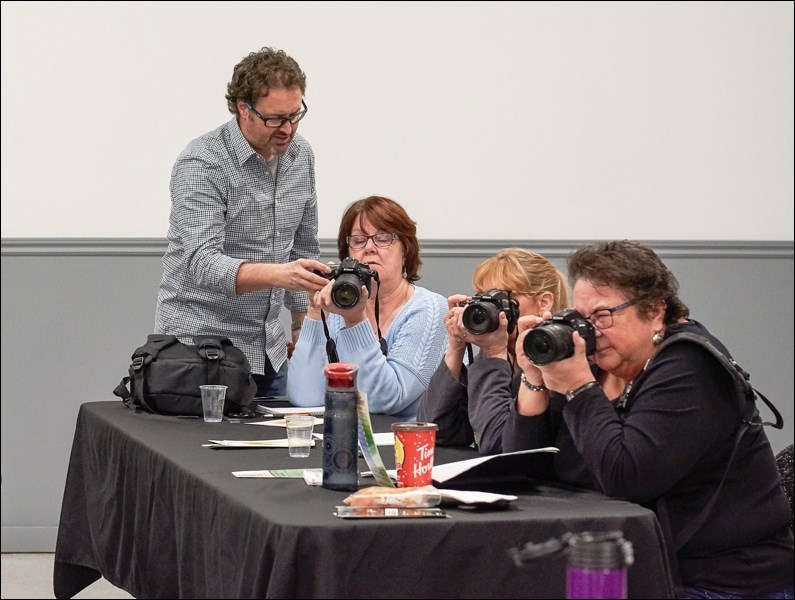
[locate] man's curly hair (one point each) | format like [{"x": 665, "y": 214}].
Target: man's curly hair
[{"x": 259, "y": 72}]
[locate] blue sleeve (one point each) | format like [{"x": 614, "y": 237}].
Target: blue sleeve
[
  {"x": 416, "y": 343},
  {"x": 306, "y": 382},
  {"x": 395, "y": 383}
]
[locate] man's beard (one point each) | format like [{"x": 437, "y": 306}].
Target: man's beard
[{"x": 280, "y": 151}]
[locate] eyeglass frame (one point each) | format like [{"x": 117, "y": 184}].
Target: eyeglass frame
[
  {"x": 392, "y": 239},
  {"x": 610, "y": 311},
  {"x": 292, "y": 119}
]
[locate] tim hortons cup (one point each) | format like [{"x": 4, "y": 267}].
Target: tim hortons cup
[{"x": 414, "y": 445}]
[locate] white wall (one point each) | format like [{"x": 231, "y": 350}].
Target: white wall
[{"x": 647, "y": 120}]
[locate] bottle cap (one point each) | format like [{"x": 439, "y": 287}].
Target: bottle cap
[
  {"x": 341, "y": 375},
  {"x": 600, "y": 550}
]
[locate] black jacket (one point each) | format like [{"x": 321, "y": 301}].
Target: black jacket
[{"x": 673, "y": 441}]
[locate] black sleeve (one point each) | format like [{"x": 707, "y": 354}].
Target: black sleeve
[
  {"x": 445, "y": 403},
  {"x": 682, "y": 409},
  {"x": 491, "y": 393}
]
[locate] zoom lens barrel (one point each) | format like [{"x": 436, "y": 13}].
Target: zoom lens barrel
[
  {"x": 549, "y": 342},
  {"x": 347, "y": 291},
  {"x": 481, "y": 317}
]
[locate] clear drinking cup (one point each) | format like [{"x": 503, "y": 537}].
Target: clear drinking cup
[
  {"x": 299, "y": 434},
  {"x": 213, "y": 398}
]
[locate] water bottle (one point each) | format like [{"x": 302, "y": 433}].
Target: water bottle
[
  {"x": 340, "y": 428},
  {"x": 597, "y": 565}
]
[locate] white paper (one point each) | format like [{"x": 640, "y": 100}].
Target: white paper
[
  {"x": 446, "y": 472},
  {"x": 278, "y": 473},
  {"x": 291, "y": 410},
  {"x": 249, "y": 444},
  {"x": 281, "y": 422},
  {"x": 475, "y": 497}
]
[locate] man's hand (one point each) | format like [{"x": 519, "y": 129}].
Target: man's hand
[{"x": 298, "y": 275}]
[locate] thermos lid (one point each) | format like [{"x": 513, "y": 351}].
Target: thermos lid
[
  {"x": 340, "y": 375},
  {"x": 419, "y": 426},
  {"x": 600, "y": 550}
]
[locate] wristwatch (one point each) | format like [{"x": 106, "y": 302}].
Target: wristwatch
[
  {"x": 570, "y": 395},
  {"x": 296, "y": 325}
]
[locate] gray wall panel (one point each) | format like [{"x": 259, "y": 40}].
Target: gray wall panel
[{"x": 74, "y": 310}]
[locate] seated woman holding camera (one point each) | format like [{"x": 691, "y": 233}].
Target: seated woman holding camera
[
  {"x": 461, "y": 398},
  {"x": 655, "y": 424},
  {"x": 394, "y": 368}
]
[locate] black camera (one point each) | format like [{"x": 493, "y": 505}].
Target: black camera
[
  {"x": 482, "y": 312},
  {"x": 350, "y": 275},
  {"x": 551, "y": 340}
]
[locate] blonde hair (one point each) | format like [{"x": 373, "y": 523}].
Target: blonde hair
[{"x": 522, "y": 272}]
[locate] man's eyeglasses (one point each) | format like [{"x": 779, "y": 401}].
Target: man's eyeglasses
[
  {"x": 603, "y": 318},
  {"x": 276, "y": 122},
  {"x": 382, "y": 240}
]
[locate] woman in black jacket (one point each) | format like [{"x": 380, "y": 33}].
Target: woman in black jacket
[{"x": 657, "y": 424}]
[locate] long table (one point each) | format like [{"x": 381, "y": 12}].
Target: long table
[{"x": 155, "y": 513}]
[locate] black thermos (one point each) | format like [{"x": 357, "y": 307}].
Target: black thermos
[{"x": 340, "y": 428}]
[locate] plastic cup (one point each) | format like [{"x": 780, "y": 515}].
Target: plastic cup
[
  {"x": 414, "y": 446},
  {"x": 299, "y": 434},
  {"x": 213, "y": 397}
]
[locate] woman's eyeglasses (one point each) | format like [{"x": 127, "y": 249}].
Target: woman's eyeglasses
[
  {"x": 382, "y": 240},
  {"x": 603, "y": 318}
]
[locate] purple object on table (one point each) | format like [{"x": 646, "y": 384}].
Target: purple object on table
[{"x": 598, "y": 565}]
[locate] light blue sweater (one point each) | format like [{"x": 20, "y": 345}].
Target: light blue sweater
[{"x": 394, "y": 384}]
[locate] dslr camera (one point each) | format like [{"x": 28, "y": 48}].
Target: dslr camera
[
  {"x": 350, "y": 275},
  {"x": 551, "y": 340},
  {"x": 482, "y": 312}
]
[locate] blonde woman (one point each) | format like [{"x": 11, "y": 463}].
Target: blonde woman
[{"x": 470, "y": 403}]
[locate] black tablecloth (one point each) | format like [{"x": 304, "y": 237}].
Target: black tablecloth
[{"x": 155, "y": 513}]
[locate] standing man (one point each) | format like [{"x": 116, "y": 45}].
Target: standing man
[{"x": 243, "y": 227}]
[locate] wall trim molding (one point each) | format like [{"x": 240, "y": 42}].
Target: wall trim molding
[
  {"x": 432, "y": 248},
  {"x": 28, "y": 538}
]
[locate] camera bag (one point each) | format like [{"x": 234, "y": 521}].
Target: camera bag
[{"x": 165, "y": 375}]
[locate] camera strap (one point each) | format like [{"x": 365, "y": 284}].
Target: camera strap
[
  {"x": 749, "y": 417},
  {"x": 331, "y": 345}
]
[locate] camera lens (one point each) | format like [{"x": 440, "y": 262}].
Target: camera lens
[
  {"x": 481, "y": 317},
  {"x": 548, "y": 343},
  {"x": 346, "y": 291}
]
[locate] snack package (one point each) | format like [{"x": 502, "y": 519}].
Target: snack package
[{"x": 385, "y": 497}]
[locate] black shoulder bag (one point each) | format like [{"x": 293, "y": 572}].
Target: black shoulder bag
[
  {"x": 165, "y": 375},
  {"x": 745, "y": 398}
]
